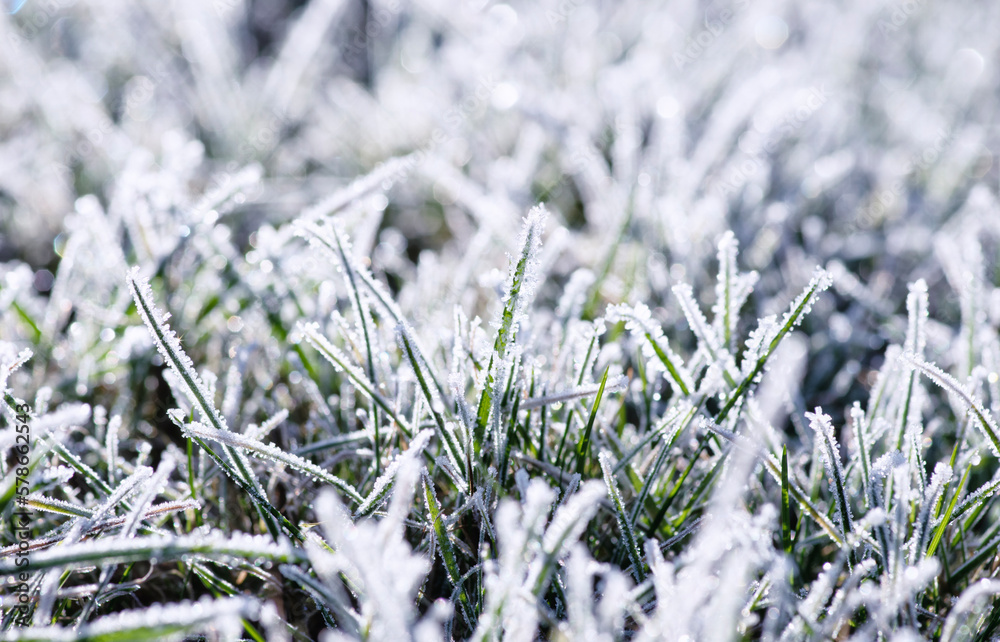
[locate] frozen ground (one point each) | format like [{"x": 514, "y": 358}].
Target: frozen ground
[{"x": 735, "y": 378}]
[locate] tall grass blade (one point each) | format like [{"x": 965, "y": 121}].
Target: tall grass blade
[{"x": 624, "y": 523}]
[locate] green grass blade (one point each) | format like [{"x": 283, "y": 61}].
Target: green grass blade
[
  {"x": 443, "y": 538},
  {"x": 946, "y": 518},
  {"x": 786, "y": 511},
  {"x": 520, "y": 282},
  {"x": 799, "y": 308},
  {"x": 340, "y": 361},
  {"x": 178, "y": 361},
  {"x": 583, "y": 446},
  {"x": 272, "y": 453},
  {"x": 624, "y": 524},
  {"x": 949, "y": 383}
]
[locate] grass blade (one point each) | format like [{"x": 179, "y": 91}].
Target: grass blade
[
  {"x": 272, "y": 453},
  {"x": 786, "y": 511},
  {"x": 175, "y": 357},
  {"x": 949, "y": 383},
  {"x": 624, "y": 524},
  {"x": 821, "y": 281},
  {"x": 520, "y": 287},
  {"x": 583, "y": 446}
]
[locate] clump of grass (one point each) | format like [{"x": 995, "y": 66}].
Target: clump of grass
[
  {"x": 492, "y": 543},
  {"x": 518, "y": 380}
]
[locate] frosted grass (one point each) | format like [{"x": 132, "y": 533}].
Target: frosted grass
[{"x": 423, "y": 423}]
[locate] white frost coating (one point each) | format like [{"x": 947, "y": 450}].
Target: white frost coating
[
  {"x": 342, "y": 362},
  {"x": 932, "y": 494},
  {"x": 519, "y": 290},
  {"x": 332, "y": 241},
  {"x": 11, "y": 364},
  {"x": 758, "y": 342},
  {"x": 617, "y": 384},
  {"x": 382, "y": 485},
  {"x": 126, "y": 488},
  {"x": 179, "y": 621},
  {"x": 571, "y": 518},
  {"x": 149, "y": 493},
  {"x": 764, "y": 340},
  {"x": 980, "y": 494},
  {"x": 823, "y": 427},
  {"x": 732, "y": 289},
  {"x": 966, "y": 601},
  {"x": 258, "y": 432},
  {"x": 168, "y": 345},
  {"x": 53, "y": 505},
  {"x": 192, "y": 386},
  {"x": 916, "y": 306},
  {"x": 68, "y": 414},
  {"x": 336, "y": 357},
  {"x": 270, "y": 452},
  {"x": 638, "y": 320},
  {"x": 214, "y": 545},
  {"x": 708, "y": 340},
  {"x": 724, "y": 311},
  {"x": 984, "y": 418},
  {"x": 375, "y": 559},
  {"x": 820, "y": 282},
  {"x": 379, "y": 179}
]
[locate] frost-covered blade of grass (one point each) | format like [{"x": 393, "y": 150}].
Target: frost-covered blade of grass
[
  {"x": 221, "y": 618},
  {"x": 383, "y": 485},
  {"x": 444, "y": 544},
  {"x": 708, "y": 339},
  {"x": 638, "y": 320},
  {"x": 175, "y": 357},
  {"x": 823, "y": 427},
  {"x": 459, "y": 458},
  {"x": 770, "y": 337},
  {"x": 64, "y": 508},
  {"x": 731, "y": 291},
  {"x": 568, "y": 523},
  {"x": 519, "y": 290},
  {"x": 624, "y": 524},
  {"x": 335, "y": 356},
  {"x": 214, "y": 546},
  {"x": 271, "y": 453},
  {"x": 985, "y": 419},
  {"x": 618, "y": 384}
]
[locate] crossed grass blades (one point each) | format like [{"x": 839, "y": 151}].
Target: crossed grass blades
[{"x": 552, "y": 475}]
